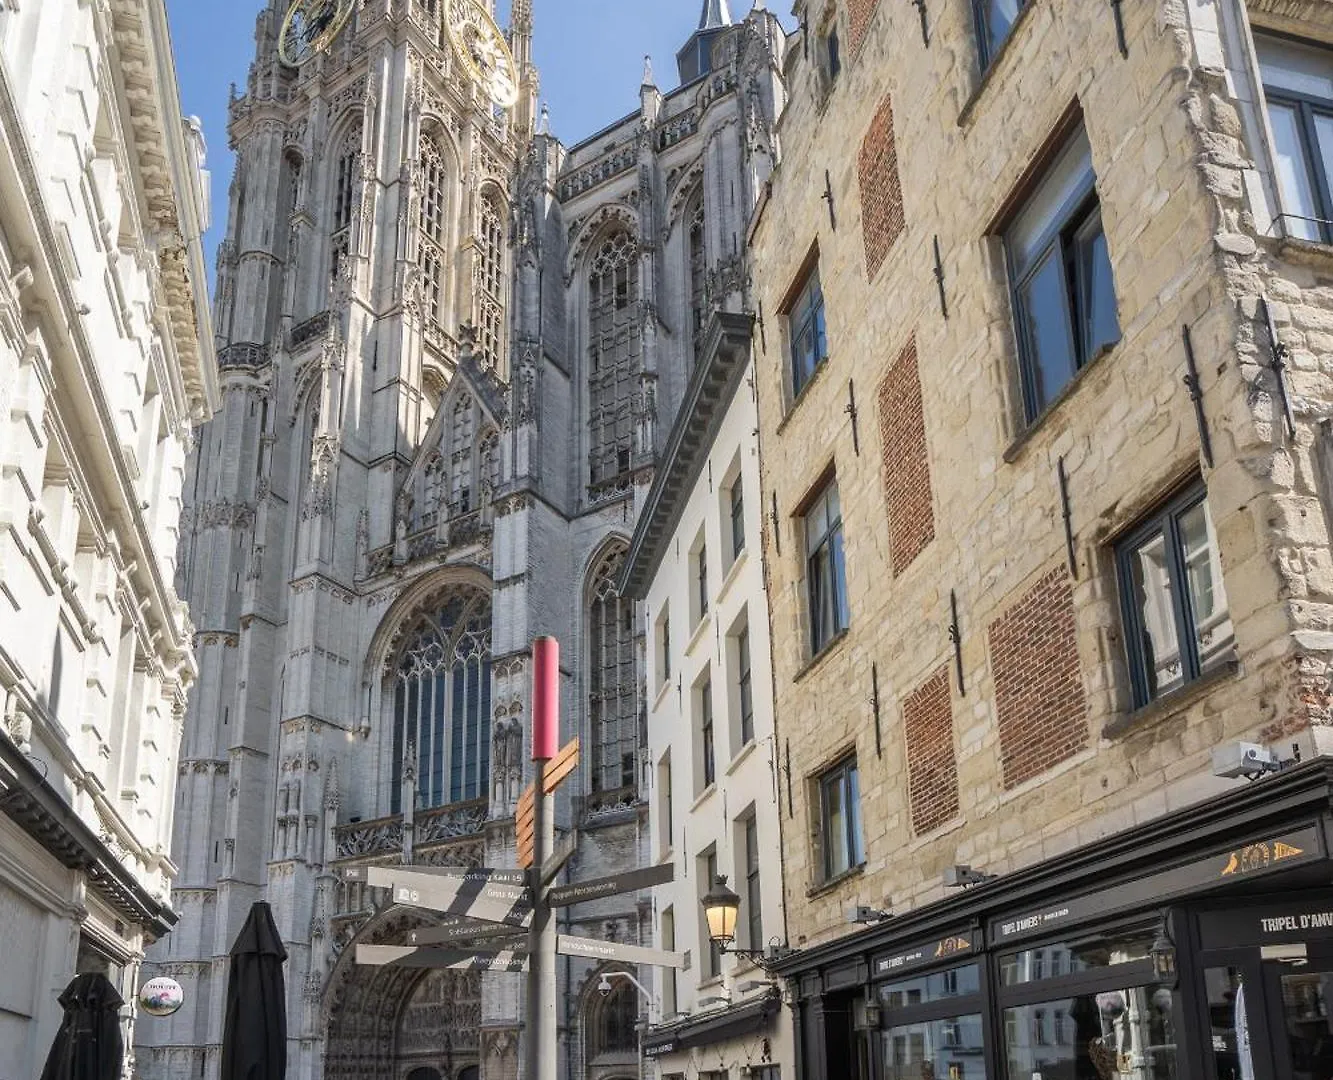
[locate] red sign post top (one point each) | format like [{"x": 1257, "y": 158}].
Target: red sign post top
[{"x": 545, "y": 698}]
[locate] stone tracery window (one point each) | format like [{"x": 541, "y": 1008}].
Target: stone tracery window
[
  {"x": 698, "y": 271},
  {"x": 344, "y": 179},
  {"x": 614, "y": 1022},
  {"x": 614, "y": 348},
  {"x": 613, "y": 679},
  {"x": 460, "y": 458},
  {"x": 431, "y": 225},
  {"x": 442, "y": 703},
  {"x": 490, "y": 279}
]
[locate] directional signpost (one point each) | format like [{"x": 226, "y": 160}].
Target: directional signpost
[{"x": 500, "y": 920}]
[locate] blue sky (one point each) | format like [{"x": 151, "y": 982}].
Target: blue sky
[{"x": 590, "y": 53}]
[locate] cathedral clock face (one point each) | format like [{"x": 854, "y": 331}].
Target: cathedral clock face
[
  {"x": 310, "y": 27},
  {"x": 482, "y": 50}
]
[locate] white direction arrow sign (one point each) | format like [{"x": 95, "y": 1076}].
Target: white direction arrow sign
[
  {"x": 613, "y": 950},
  {"x": 458, "y": 896},
  {"x": 406, "y": 956}
]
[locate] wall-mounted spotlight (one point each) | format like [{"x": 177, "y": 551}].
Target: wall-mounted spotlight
[
  {"x": 960, "y": 877},
  {"x": 868, "y": 916}
]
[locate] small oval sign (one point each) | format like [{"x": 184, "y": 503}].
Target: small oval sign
[{"x": 161, "y": 996}]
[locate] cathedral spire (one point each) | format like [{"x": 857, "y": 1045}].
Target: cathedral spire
[{"x": 715, "y": 14}]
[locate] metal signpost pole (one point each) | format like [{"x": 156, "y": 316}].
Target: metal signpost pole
[{"x": 541, "y": 1034}]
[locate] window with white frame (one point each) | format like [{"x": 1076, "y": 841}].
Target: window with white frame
[
  {"x": 1060, "y": 276},
  {"x": 614, "y": 351},
  {"x": 670, "y": 990},
  {"x": 432, "y": 231},
  {"x": 1298, "y": 93},
  {"x": 665, "y": 808},
  {"x": 662, "y": 634},
  {"x": 707, "y": 754},
  {"x": 744, "y": 686},
  {"x": 752, "y": 897},
  {"x": 710, "y": 951}
]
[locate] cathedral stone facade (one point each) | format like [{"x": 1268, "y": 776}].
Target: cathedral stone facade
[{"x": 450, "y": 351}]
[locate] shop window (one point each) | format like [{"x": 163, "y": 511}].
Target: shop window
[
  {"x": 995, "y": 19},
  {"x": 839, "y": 792},
  {"x": 1177, "y": 623},
  {"x": 807, "y": 335},
  {"x": 1298, "y": 92},
  {"x": 826, "y": 575},
  {"x": 1063, "y": 291},
  {"x": 931, "y": 1026},
  {"x": 1105, "y": 1016}
]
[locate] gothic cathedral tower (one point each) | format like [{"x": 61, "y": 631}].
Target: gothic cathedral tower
[{"x": 451, "y": 350}]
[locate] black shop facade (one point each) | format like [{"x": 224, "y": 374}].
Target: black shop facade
[{"x": 1198, "y": 946}]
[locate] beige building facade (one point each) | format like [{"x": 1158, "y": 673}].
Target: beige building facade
[
  {"x": 106, "y": 368},
  {"x": 1047, "y": 533}
]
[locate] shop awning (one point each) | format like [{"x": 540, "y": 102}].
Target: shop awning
[{"x": 712, "y": 1027}]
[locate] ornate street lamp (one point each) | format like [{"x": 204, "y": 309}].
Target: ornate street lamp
[{"x": 721, "y": 908}]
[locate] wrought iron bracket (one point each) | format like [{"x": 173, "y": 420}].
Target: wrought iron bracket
[
  {"x": 1118, "y": 13},
  {"x": 939, "y": 278},
  {"x": 828, "y": 198},
  {"x": 850, "y": 410},
  {"x": 925, "y": 23},
  {"x": 1068, "y": 515},
  {"x": 956, "y": 636},
  {"x": 773, "y": 514},
  {"x": 787, "y": 769},
  {"x": 874, "y": 708},
  {"x": 1281, "y": 353},
  {"x": 1191, "y": 381}
]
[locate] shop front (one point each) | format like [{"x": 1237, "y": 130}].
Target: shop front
[{"x": 1197, "y": 947}]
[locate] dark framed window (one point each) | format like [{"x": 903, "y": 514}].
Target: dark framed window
[
  {"x": 754, "y": 903},
  {"x": 664, "y": 638},
  {"x": 1298, "y": 92},
  {"x": 840, "y": 818},
  {"x": 744, "y": 683},
  {"x": 930, "y": 1025},
  {"x": 707, "y": 745},
  {"x": 995, "y": 19},
  {"x": 833, "y": 54},
  {"x": 701, "y": 580},
  {"x": 1060, "y": 274},
  {"x": 809, "y": 337},
  {"x": 1173, "y": 600},
  {"x": 826, "y": 572},
  {"x": 1107, "y": 1008},
  {"x": 616, "y": 1030},
  {"x": 737, "y": 518},
  {"x": 713, "y": 955}
]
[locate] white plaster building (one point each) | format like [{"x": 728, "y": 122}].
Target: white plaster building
[
  {"x": 392, "y": 503},
  {"x": 697, "y": 562},
  {"x": 106, "y": 364}
]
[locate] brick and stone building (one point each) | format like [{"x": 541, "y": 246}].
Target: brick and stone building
[
  {"x": 1043, "y": 383},
  {"x": 106, "y": 368},
  {"x": 695, "y": 561},
  {"x": 451, "y": 349}
]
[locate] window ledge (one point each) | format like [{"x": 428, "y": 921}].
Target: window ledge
[
  {"x": 742, "y": 755},
  {"x": 662, "y": 692},
  {"x": 937, "y": 833},
  {"x": 703, "y": 796},
  {"x": 1015, "y": 449},
  {"x": 820, "y": 368},
  {"x": 823, "y": 654},
  {"x": 969, "y": 106},
  {"x": 1311, "y": 253},
  {"x": 825, "y": 887},
  {"x": 733, "y": 572},
  {"x": 696, "y": 635},
  {"x": 1168, "y": 705}
]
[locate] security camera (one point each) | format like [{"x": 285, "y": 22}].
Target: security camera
[
  {"x": 604, "y": 987},
  {"x": 866, "y": 916},
  {"x": 1244, "y": 759}
]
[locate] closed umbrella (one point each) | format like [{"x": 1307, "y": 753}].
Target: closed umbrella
[
  {"x": 254, "y": 1036},
  {"x": 89, "y": 1045}
]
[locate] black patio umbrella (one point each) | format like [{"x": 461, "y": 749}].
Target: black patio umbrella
[
  {"x": 89, "y": 1045},
  {"x": 254, "y": 1035}
]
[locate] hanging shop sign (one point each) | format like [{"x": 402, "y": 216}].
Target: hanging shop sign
[
  {"x": 1244, "y": 861},
  {"x": 161, "y": 996}
]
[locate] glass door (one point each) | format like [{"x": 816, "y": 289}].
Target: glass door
[{"x": 1301, "y": 1004}]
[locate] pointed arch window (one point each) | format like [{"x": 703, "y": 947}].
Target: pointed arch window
[
  {"x": 613, "y": 681},
  {"x": 442, "y": 701},
  {"x": 490, "y": 279},
  {"x": 460, "y": 459},
  {"x": 698, "y": 271},
  {"x": 431, "y": 224},
  {"x": 344, "y": 180},
  {"x": 614, "y": 350},
  {"x": 614, "y": 1027}
]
